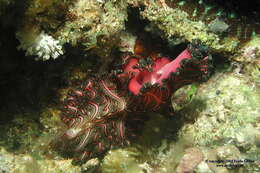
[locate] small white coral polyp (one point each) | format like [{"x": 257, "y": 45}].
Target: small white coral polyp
[{"x": 43, "y": 46}]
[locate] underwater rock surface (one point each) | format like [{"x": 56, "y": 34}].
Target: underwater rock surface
[
  {"x": 97, "y": 25},
  {"x": 216, "y": 120}
]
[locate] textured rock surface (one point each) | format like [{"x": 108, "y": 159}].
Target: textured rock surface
[
  {"x": 97, "y": 25},
  {"x": 190, "y": 160},
  {"x": 219, "y": 118}
]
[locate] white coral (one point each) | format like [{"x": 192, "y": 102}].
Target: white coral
[{"x": 43, "y": 45}]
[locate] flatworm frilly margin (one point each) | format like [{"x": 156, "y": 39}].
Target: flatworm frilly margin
[{"x": 98, "y": 110}]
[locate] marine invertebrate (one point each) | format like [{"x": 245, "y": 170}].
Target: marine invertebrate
[
  {"x": 41, "y": 45},
  {"x": 149, "y": 72},
  {"x": 96, "y": 111},
  {"x": 89, "y": 113}
]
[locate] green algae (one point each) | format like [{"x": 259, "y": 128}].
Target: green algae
[{"x": 183, "y": 96}]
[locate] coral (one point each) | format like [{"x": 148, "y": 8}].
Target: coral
[
  {"x": 36, "y": 26},
  {"x": 91, "y": 24},
  {"x": 219, "y": 117},
  {"x": 221, "y": 121},
  {"x": 97, "y": 25},
  {"x": 96, "y": 110},
  {"x": 94, "y": 24},
  {"x": 190, "y": 20},
  {"x": 229, "y": 117},
  {"x": 43, "y": 45},
  {"x": 240, "y": 103}
]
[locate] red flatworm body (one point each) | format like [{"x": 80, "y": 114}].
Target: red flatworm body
[{"x": 96, "y": 111}]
